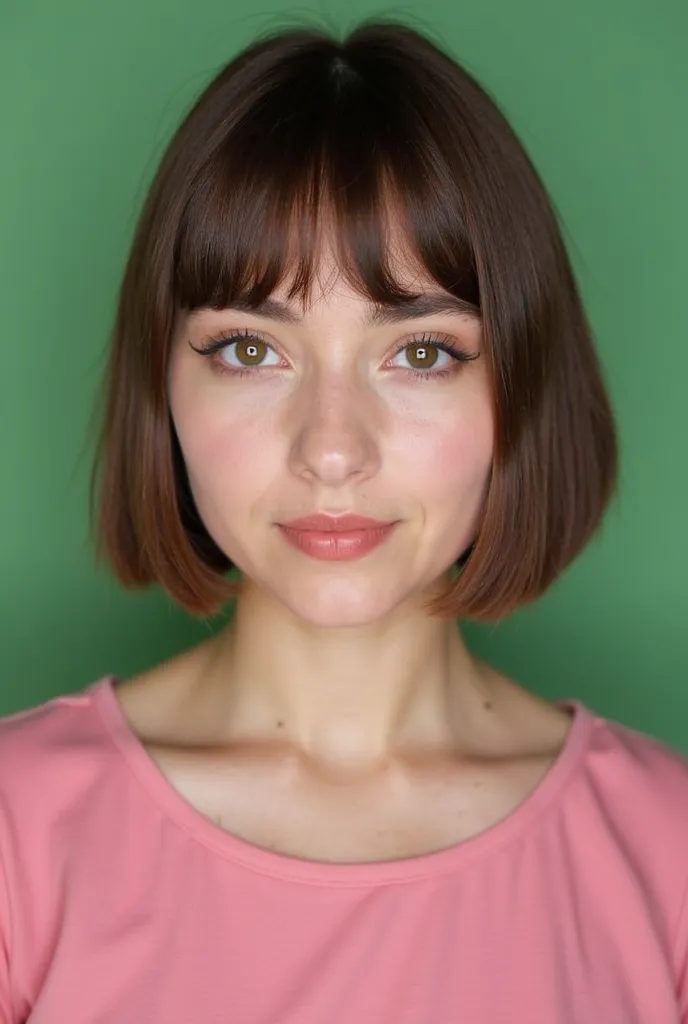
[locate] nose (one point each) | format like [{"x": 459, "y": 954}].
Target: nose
[{"x": 334, "y": 438}]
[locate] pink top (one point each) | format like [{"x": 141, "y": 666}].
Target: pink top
[{"x": 121, "y": 904}]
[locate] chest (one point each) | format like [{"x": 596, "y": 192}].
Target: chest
[
  {"x": 513, "y": 937},
  {"x": 282, "y": 804}
]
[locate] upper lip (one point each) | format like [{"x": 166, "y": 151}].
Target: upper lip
[{"x": 334, "y": 524}]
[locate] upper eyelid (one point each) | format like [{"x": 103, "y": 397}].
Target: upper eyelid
[{"x": 411, "y": 324}]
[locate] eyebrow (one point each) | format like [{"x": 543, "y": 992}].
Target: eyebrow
[{"x": 381, "y": 314}]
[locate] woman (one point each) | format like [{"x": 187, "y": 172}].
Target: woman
[{"x": 350, "y": 363}]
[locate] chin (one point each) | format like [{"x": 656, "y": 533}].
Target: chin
[{"x": 339, "y": 603}]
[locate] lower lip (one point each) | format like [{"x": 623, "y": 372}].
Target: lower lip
[{"x": 337, "y": 547}]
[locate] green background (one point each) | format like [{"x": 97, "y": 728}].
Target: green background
[{"x": 91, "y": 92}]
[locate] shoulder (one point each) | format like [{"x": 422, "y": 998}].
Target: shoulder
[
  {"x": 625, "y": 763},
  {"x": 631, "y": 794},
  {"x": 51, "y": 748}
]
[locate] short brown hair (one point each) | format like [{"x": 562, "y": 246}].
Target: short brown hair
[{"x": 301, "y": 120}]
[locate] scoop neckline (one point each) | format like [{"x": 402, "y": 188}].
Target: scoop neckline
[{"x": 336, "y": 873}]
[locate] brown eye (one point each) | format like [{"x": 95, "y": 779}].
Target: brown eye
[
  {"x": 238, "y": 353},
  {"x": 422, "y": 356},
  {"x": 250, "y": 351},
  {"x": 419, "y": 358}
]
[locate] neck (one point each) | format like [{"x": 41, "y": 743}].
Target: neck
[{"x": 348, "y": 695}]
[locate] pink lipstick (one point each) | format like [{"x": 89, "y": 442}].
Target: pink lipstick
[{"x": 336, "y": 538}]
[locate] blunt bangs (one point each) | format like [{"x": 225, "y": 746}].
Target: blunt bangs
[{"x": 320, "y": 156}]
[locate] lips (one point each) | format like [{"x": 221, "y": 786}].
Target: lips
[
  {"x": 336, "y": 538},
  {"x": 322, "y": 523}
]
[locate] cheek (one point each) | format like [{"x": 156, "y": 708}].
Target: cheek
[
  {"x": 462, "y": 460},
  {"x": 450, "y": 457},
  {"x": 230, "y": 459},
  {"x": 237, "y": 461}
]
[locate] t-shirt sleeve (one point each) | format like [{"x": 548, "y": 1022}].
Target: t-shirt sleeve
[
  {"x": 681, "y": 949},
  {"x": 6, "y": 1016}
]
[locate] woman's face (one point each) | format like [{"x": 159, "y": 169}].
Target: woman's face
[{"x": 320, "y": 412}]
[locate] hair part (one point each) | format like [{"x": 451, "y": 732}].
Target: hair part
[{"x": 375, "y": 139}]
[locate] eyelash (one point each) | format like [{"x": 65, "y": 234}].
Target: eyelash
[{"x": 216, "y": 344}]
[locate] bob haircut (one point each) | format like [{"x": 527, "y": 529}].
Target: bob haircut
[{"x": 302, "y": 124}]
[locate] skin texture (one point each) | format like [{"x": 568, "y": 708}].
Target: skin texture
[
  {"x": 361, "y": 727},
  {"x": 336, "y": 430}
]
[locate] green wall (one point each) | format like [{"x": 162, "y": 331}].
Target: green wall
[{"x": 90, "y": 92}]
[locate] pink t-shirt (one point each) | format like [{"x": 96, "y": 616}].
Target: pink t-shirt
[{"x": 122, "y": 904}]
